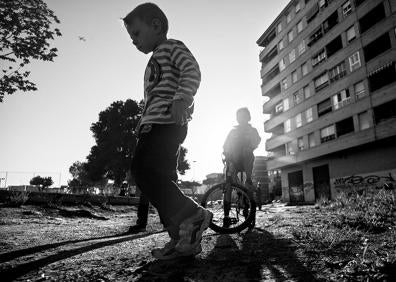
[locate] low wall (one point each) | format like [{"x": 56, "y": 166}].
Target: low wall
[{"x": 35, "y": 198}]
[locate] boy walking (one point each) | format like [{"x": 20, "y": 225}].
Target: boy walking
[{"x": 171, "y": 80}]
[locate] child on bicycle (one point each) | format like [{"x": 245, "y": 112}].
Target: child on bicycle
[
  {"x": 240, "y": 143},
  {"x": 171, "y": 80},
  {"x": 238, "y": 149}
]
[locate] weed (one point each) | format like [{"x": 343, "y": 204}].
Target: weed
[
  {"x": 372, "y": 210},
  {"x": 17, "y": 198},
  {"x": 353, "y": 234}
]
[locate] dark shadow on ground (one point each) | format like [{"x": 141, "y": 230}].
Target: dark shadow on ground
[
  {"x": 24, "y": 268},
  {"x": 257, "y": 257},
  {"x": 4, "y": 257}
]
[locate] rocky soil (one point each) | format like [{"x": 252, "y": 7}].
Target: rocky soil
[{"x": 90, "y": 244}]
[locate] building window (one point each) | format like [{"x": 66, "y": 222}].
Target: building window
[
  {"x": 324, "y": 107},
  {"x": 294, "y": 76},
  {"x": 304, "y": 69},
  {"x": 292, "y": 56},
  {"x": 344, "y": 126},
  {"x": 289, "y": 17},
  {"x": 354, "y": 61},
  {"x": 271, "y": 74},
  {"x": 372, "y": 17},
  {"x": 282, "y": 64},
  {"x": 346, "y": 8},
  {"x": 364, "y": 120},
  {"x": 311, "y": 14},
  {"x": 307, "y": 91},
  {"x": 319, "y": 57},
  {"x": 279, "y": 27},
  {"x": 300, "y": 144},
  {"x": 301, "y": 47},
  {"x": 360, "y": 90},
  {"x": 385, "y": 111},
  {"x": 308, "y": 115},
  {"x": 281, "y": 46},
  {"x": 270, "y": 55},
  {"x": 334, "y": 46},
  {"x": 284, "y": 84},
  {"x": 351, "y": 33},
  {"x": 268, "y": 39},
  {"x": 298, "y": 97},
  {"x": 337, "y": 72},
  {"x": 381, "y": 77},
  {"x": 286, "y": 105},
  {"x": 358, "y": 2},
  {"x": 315, "y": 36},
  {"x": 341, "y": 99},
  {"x": 377, "y": 47},
  {"x": 327, "y": 134},
  {"x": 323, "y": 3},
  {"x": 274, "y": 90},
  {"x": 311, "y": 140},
  {"x": 298, "y": 120},
  {"x": 330, "y": 22},
  {"x": 287, "y": 125},
  {"x": 321, "y": 81},
  {"x": 290, "y": 36},
  {"x": 299, "y": 26},
  {"x": 279, "y": 108},
  {"x": 289, "y": 148},
  {"x": 298, "y": 7}
]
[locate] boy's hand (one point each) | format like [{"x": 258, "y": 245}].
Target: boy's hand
[{"x": 178, "y": 110}]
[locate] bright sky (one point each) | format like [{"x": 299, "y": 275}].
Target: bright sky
[{"x": 45, "y": 131}]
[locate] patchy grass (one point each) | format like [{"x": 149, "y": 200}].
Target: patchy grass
[
  {"x": 373, "y": 210},
  {"x": 17, "y": 199},
  {"x": 354, "y": 235}
]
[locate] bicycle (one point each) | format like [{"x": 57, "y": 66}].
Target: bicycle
[{"x": 232, "y": 203}]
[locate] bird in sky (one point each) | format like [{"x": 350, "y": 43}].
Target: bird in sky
[{"x": 82, "y": 38}]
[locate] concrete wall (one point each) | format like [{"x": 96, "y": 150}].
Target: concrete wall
[{"x": 368, "y": 166}]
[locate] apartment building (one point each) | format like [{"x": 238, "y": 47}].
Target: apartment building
[{"x": 329, "y": 71}]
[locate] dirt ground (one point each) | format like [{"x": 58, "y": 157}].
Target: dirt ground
[{"x": 89, "y": 244}]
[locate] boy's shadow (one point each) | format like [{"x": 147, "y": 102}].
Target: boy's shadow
[
  {"x": 92, "y": 243},
  {"x": 258, "y": 256}
]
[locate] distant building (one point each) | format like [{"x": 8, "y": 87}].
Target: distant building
[{"x": 328, "y": 69}]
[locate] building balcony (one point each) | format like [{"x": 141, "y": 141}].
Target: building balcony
[
  {"x": 280, "y": 162},
  {"x": 382, "y": 130}
]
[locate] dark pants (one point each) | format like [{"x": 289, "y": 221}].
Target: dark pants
[
  {"x": 143, "y": 210},
  {"x": 154, "y": 168}
]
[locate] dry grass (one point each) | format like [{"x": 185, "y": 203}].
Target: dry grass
[
  {"x": 17, "y": 198},
  {"x": 354, "y": 235}
]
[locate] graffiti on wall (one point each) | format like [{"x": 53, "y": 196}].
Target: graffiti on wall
[{"x": 374, "y": 180}]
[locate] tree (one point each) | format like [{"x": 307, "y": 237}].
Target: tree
[
  {"x": 25, "y": 32},
  {"x": 182, "y": 163},
  {"x": 42, "y": 182},
  {"x": 78, "y": 170},
  {"x": 47, "y": 182},
  {"x": 115, "y": 139}
]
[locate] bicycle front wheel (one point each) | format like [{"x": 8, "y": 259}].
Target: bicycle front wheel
[{"x": 232, "y": 205}]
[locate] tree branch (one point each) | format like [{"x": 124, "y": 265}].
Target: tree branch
[
  {"x": 12, "y": 52},
  {"x": 8, "y": 74}
]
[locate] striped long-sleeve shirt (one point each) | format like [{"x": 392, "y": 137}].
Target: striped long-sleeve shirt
[{"x": 172, "y": 73}]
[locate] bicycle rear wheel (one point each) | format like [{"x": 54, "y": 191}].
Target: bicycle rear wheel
[{"x": 232, "y": 205}]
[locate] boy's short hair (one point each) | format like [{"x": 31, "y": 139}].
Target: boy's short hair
[
  {"x": 147, "y": 12},
  {"x": 244, "y": 111}
]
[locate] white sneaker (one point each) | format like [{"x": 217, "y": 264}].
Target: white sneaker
[
  {"x": 191, "y": 230},
  {"x": 169, "y": 251}
]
